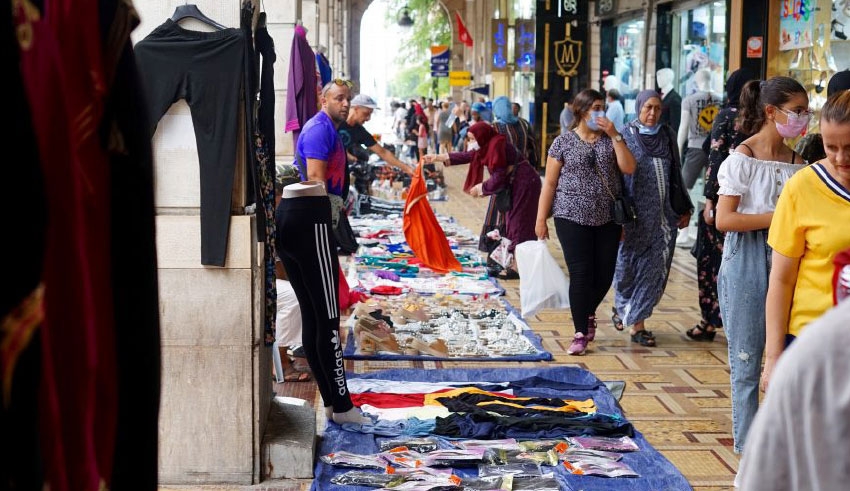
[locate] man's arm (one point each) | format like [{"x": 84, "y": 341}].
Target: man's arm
[
  {"x": 388, "y": 157},
  {"x": 316, "y": 170}
]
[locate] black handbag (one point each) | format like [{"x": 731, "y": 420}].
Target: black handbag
[
  {"x": 623, "y": 209},
  {"x": 680, "y": 199},
  {"x": 502, "y": 199}
]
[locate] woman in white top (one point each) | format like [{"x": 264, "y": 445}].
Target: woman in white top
[{"x": 751, "y": 180}]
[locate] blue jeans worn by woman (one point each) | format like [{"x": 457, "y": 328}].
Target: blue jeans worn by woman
[{"x": 742, "y": 288}]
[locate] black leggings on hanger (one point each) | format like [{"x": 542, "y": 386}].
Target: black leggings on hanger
[
  {"x": 305, "y": 244},
  {"x": 205, "y": 69}
]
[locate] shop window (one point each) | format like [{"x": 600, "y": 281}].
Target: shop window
[
  {"x": 700, "y": 36},
  {"x": 628, "y": 68}
]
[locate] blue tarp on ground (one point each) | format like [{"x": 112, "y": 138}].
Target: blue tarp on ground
[
  {"x": 541, "y": 354},
  {"x": 657, "y": 473}
]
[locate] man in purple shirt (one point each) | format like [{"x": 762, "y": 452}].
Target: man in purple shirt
[{"x": 319, "y": 151}]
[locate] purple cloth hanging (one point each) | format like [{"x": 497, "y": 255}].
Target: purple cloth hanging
[{"x": 302, "y": 87}]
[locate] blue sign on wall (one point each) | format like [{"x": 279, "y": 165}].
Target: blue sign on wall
[{"x": 440, "y": 56}]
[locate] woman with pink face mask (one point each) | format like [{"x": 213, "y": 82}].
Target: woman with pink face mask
[
  {"x": 808, "y": 231},
  {"x": 750, "y": 182}
]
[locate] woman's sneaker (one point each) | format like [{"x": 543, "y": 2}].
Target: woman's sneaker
[{"x": 578, "y": 345}]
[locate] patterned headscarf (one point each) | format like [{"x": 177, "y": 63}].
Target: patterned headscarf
[
  {"x": 491, "y": 153},
  {"x": 503, "y": 111}
]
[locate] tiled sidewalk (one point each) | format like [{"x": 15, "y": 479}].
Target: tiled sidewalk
[{"x": 677, "y": 394}]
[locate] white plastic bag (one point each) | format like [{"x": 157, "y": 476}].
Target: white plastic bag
[
  {"x": 501, "y": 255},
  {"x": 542, "y": 283}
]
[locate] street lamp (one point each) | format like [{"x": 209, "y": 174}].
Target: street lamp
[{"x": 404, "y": 19}]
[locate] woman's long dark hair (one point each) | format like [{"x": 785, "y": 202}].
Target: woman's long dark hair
[
  {"x": 757, "y": 94},
  {"x": 581, "y": 104}
]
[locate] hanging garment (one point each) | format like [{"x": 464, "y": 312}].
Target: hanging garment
[
  {"x": 325, "y": 71},
  {"x": 302, "y": 101},
  {"x": 205, "y": 69},
  {"x": 422, "y": 230},
  {"x": 264, "y": 151}
]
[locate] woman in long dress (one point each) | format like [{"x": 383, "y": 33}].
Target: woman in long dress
[{"x": 646, "y": 253}]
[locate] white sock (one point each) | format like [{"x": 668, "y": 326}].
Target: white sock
[{"x": 353, "y": 415}]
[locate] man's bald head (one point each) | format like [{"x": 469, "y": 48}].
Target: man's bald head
[{"x": 336, "y": 101}]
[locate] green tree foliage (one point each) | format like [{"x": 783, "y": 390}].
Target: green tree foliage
[{"x": 430, "y": 27}]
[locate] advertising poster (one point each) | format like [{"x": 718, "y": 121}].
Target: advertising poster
[{"x": 795, "y": 24}]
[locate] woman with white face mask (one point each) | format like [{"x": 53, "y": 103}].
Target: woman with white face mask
[
  {"x": 751, "y": 180},
  {"x": 583, "y": 171}
]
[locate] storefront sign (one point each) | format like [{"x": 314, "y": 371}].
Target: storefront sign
[
  {"x": 524, "y": 45},
  {"x": 795, "y": 24},
  {"x": 499, "y": 45},
  {"x": 755, "y": 47},
  {"x": 605, "y": 7},
  {"x": 568, "y": 56},
  {"x": 460, "y": 79}
]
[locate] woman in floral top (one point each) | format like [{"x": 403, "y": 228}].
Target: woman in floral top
[{"x": 725, "y": 136}]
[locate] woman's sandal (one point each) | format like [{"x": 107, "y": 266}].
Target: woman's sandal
[
  {"x": 618, "y": 322},
  {"x": 700, "y": 332},
  {"x": 644, "y": 337}
]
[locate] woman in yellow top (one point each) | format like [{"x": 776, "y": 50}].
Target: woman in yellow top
[{"x": 810, "y": 226}]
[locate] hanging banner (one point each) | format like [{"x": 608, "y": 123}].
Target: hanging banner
[
  {"x": 795, "y": 24},
  {"x": 524, "y": 45},
  {"x": 499, "y": 45}
]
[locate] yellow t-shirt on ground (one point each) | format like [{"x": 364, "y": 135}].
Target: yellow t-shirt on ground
[{"x": 811, "y": 222}]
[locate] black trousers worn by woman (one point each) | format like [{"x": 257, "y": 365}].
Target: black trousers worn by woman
[
  {"x": 591, "y": 256},
  {"x": 305, "y": 244}
]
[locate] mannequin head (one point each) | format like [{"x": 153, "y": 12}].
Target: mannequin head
[
  {"x": 703, "y": 79},
  {"x": 610, "y": 83},
  {"x": 664, "y": 78}
]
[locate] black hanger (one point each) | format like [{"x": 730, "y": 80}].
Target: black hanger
[{"x": 191, "y": 10}]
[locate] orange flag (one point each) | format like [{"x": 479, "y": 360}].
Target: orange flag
[{"x": 422, "y": 230}]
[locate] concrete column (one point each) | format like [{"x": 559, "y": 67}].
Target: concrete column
[
  {"x": 281, "y": 20},
  {"x": 324, "y": 25},
  {"x": 310, "y": 17}
]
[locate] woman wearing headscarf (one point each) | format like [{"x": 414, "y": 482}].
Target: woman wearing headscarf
[
  {"x": 518, "y": 133},
  {"x": 646, "y": 252},
  {"x": 725, "y": 135},
  {"x": 508, "y": 168}
]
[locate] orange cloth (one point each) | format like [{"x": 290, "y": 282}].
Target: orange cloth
[{"x": 422, "y": 231}]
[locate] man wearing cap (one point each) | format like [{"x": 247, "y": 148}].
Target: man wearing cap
[{"x": 355, "y": 137}]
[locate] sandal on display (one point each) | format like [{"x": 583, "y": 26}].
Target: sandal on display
[
  {"x": 370, "y": 342},
  {"x": 370, "y": 324},
  {"x": 700, "y": 332},
  {"x": 618, "y": 322},
  {"x": 437, "y": 348},
  {"x": 644, "y": 338}
]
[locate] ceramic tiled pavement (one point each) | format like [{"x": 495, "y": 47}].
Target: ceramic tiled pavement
[{"x": 677, "y": 394}]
